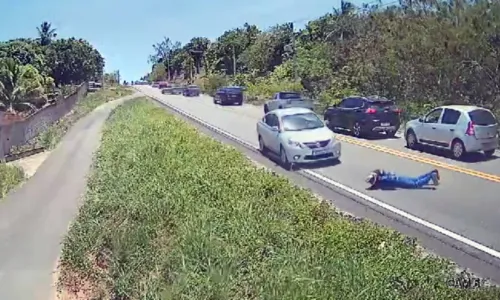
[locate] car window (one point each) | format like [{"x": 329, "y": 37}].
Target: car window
[
  {"x": 433, "y": 116},
  {"x": 382, "y": 104},
  {"x": 450, "y": 116},
  {"x": 272, "y": 120},
  {"x": 300, "y": 122},
  {"x": 482, "y": 117},
  {"x": 348, "y": 103},
  {"x": 290, "y": 96},
  {"x": 357, "y": 102}
]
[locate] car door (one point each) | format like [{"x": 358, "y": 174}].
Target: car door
[
  {"x": 445, "y": 129},
  {"x": 337, "y": 114},
  {"x": 271, "y": 130},
  {"x": 427, "y": 132},
  {"x": 347, "y": 113}
]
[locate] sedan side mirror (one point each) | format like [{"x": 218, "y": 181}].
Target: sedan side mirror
[{"x": 421, "y": 120}]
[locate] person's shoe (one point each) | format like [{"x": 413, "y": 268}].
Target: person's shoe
[{"x": 435, "y": 178}]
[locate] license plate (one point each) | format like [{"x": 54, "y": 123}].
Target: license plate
[
  {"x": 319, "y": 152},
  {"x": 385, "y": 124}
]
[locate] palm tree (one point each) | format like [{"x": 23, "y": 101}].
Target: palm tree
[
  {"x": 46, "y": 33},
  {"x": 18, "y": 85}
]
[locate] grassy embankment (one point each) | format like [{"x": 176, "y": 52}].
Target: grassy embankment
[
  {"x": 173, "y": 214},
  {"x": 51, "y": 137}
]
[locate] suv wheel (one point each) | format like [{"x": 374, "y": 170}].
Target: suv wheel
[
  {"x": 356, "y": 130},
  {"x": 457, "y": 149}
]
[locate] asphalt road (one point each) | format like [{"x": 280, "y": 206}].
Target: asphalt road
[
  {"x": 465, "y": 203},
  {"x": 35, "y": 217}
]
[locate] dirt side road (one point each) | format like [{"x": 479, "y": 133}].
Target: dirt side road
[{"x": 35, "y": 217}]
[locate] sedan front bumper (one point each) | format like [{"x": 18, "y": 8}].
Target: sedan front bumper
[{"x": 304, "y": 155}]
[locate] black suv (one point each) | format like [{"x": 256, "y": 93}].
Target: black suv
[
  {"x": 229, "y": 95},
  {"x": 191, "y": 91},
  {"x": 364, "y": 116}
]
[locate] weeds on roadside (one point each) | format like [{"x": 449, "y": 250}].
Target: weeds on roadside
[
  {"x": 10, "y": 177},
  {"x": 172, "y": 214}
]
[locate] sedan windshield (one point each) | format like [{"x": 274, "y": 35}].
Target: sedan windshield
[{"x": 300, "y": 122}]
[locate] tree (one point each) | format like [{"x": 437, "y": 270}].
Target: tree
[
  {"x": 46, "y": 33},
  {"x": 164, "y": 52},
  {"x": 73, "y": 61},
  {"x": 19, "y": 84}
]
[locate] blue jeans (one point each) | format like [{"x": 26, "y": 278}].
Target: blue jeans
[{"x": 393, "y": 180}]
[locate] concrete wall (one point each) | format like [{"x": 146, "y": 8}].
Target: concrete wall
[{"x": 19, "y": 133}]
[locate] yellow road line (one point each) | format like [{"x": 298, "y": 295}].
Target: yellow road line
[{"x": 419, "y": 158}]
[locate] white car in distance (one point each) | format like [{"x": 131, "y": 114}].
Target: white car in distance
[
  {"x": 458, "y": 128},
  {"x": 298, "y": 136}
]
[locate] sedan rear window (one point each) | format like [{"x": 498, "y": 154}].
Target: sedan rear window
[
  {"x": 482, "y": 117},
  {"x": 300, "y": 122}
]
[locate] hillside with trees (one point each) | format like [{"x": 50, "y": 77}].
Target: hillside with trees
[
  {"x": 33, "y": 71},
  {"x": 419, "y": 53}
]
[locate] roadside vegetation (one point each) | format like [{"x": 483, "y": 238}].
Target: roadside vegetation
[
  {"x": 51, "y": 137},
  {"x": 161, "y": 221},
  {"x": 10, "y": 177},
  {"x": 35, "y": 71},
  {"x": 419, "y": 53}
]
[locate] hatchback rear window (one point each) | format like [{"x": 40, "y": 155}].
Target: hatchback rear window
[
  {"x": 290, "y": 96},
  {"x": 482, "y": 117}
]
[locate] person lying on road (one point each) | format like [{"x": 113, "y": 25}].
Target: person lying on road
[{"x": 380, "y": 179}]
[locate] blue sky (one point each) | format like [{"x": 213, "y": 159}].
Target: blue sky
[{"x": 124, "y": 33}]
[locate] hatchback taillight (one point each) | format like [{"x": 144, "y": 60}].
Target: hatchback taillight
[
  {"x": 371, "y": 111},
  {"x": 470, "y": 129}
]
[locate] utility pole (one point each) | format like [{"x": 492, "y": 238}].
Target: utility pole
[
  {"x": 294, "y": 58},
  {"x": 234, "y": 62}
]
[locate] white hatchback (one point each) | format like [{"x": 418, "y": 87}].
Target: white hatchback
[
  {"x": 458, "y": 128},
  {"x": 298, "y": 135}
]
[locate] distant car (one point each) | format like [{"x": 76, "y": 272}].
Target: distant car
[
  {"x": 298, "y": 135},
  {"x": 156, "y": 84},
  {"x": 191, "y": 91},
  {"x": 364, "y": 116},
  {"x": 163, "y": 84},
  {"x": 94, "y": 86},
  {"x": 458, "y": 128},
  {"x": 287, "y": 99},
  {"x": 229, "y": 95},
  {"x": 178, "y": 90},
  {"x": 167, "y": 91}
]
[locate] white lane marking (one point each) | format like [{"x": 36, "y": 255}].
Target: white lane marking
[{"x": 352, "y": 191}]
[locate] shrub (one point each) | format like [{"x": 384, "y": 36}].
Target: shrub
[
  {"x": 210, "y": 83},
  {"x": 163, "y": 221}
]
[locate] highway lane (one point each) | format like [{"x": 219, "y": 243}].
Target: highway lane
[{"x": 464, "y": 204}]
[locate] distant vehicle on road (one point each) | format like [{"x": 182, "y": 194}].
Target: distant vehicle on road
[
  {"x": 155, "y": 84},
  {"x": 364, "y": 116},
  {"x": 191, "y": 91},
  {"x": 94, "y": 86},
  {"x": 229, "y": 95},
  {"x": 163, "y": 84},
  {"x": 298, "y": 135},
  {"x": 458, "y": 128},
  {"x": 287, "y": 99}
]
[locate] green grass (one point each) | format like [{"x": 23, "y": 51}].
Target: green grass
[
  {"x": 10, "y": 177},
  {"x": 51, "y": 137},
  {"x": 173, "y": 214}
]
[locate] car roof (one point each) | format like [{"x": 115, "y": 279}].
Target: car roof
[
  {"x": 371, "y": 98},
  {"x": 462, "y": 108},
  {"x": 291, "y": 111}
]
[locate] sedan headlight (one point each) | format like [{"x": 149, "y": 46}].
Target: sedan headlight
[{"x": 294, "y": 143}]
